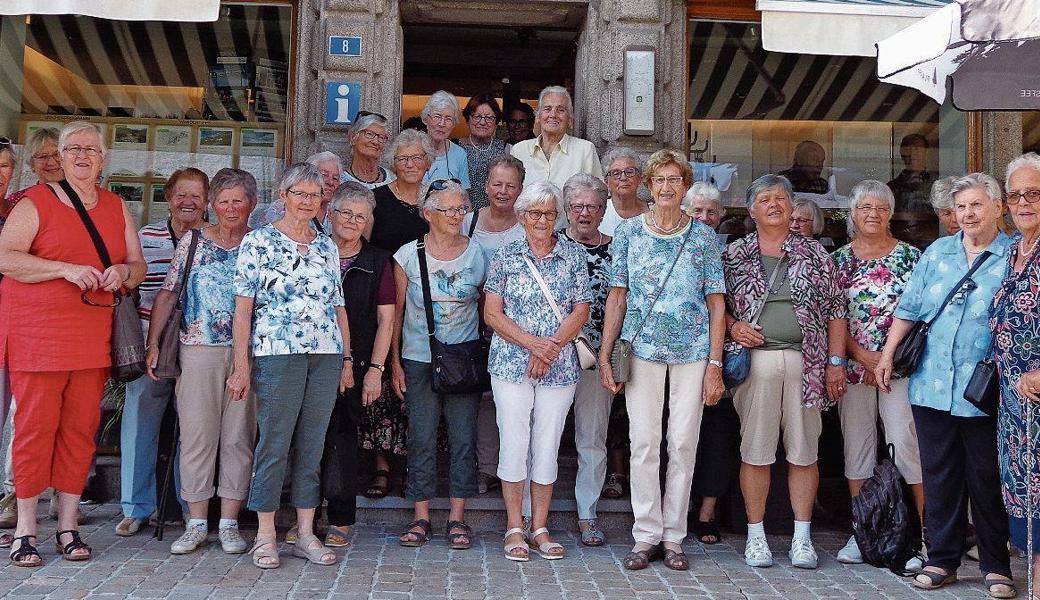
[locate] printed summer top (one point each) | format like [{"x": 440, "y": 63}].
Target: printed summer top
[
  {"x": 598, "y": 257},
  {"x": 960, "y": 336},
  {"x": 157, "y": 243},
  {"x": 209, "y": 306},
  {"x": 675, "y": 330},
  {"x": 874, "y": 287},
  {"x": 566, "y": 273},
  {"x": 454, "y": 290},
  {"x": 295, "y": 294}
]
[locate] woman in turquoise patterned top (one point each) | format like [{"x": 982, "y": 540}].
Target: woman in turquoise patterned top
[{"x": 667, "y": 287}]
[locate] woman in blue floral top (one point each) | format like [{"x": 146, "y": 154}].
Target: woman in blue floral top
[
  {"x": 289, "y": 319},
  {"x": 667, "y": 287},
  {"x": 533, "y": 364},
  {"x": 874, "y": 269}
]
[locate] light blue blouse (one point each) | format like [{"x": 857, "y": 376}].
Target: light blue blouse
[
  {"x": 453, "y": 165},
  {"x": 960, "y": 336}
]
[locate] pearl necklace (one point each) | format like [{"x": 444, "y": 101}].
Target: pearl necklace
[
  {"x": 662, "y": 230},
  {"x": 1022, "y": 251}
]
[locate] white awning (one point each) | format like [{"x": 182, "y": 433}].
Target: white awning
[
  {"x": 119, "y": 10},
  {"x": 837, "y": 27}
]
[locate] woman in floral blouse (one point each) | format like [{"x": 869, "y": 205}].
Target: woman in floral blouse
[
  {"x": 874, "y": 269},
  {"x": 797, "y": 359},
  {"x": 533, "y": 364},
  {"x": 289, "y": 319}
]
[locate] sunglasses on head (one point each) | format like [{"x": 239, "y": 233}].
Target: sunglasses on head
[
  {"x": 438, "y": 185},
  {"x": 4, "y": 141},
  {"x": 367, "y": 113}
]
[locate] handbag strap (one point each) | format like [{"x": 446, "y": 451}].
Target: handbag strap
[
  {"x": 424, "y": 277},
  {"x": 473, "y": 223},
  {"x": 769, "y": 288},
  {"x": 95, "y": 236},
  {"x": 182, "y": 285},
  {"x": 974, "y": 267},
  {"x": 657, "y": 292},
  {"x": 545, "y": 288}
]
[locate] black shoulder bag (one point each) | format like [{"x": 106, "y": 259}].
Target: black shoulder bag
[
  {"x": 911, "y": 348},
  {"x": 456, "y": 368},
  {"x": 128, "y": 348}
]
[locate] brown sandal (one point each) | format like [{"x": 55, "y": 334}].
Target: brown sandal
[
  {"x": 418, "y": 537},
  {"x": 67, "y": 550},
  {"x": 676, "y": 561},
  {"x": 639, "y": 560},
  {"x": 461, "y": 540}
]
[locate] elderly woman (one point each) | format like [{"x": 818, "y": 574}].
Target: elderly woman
[
  {"x": 368, "y": 137},
  {"x": 942, "y": 204},
  {"x": 1014, "y": 325},
  {"x": 454, "y": 267},
  {"x": 667, "y": 288},
  {"x": 209, "y": 418},
  {"x": 187, "y": 193},
  {"x": 56, "y": 344},
  {"x": 291, "y": 344},
  {"x": 330, "y": 168},
  {"x": 482, "y": 116},
  {"x": 554, "y": 146},
  {"x": 533, "y": 364},
  {"x": 397, "y": 217},
  {"x": 622, "y": 167},
  {"x": 8, "y": 516},
  {"x": 786, "y": 307},
  {"x": 43, "y": 159},
  {"x": 958, "y": 456},
  {"x": 874, "y": 270},
  {"x": 808, "y": 220},
  {"x": 703, "y": 202},
  {"x": 440, "y": 115}
]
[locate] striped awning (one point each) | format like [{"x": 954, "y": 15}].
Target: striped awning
[
  {"x": 837, "y": 27},
  {"x": 122, "y": 10}
]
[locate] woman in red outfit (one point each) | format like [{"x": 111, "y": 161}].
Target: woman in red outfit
[{"x": 54, "y": 345}]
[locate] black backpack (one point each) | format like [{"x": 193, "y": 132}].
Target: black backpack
[{"x": 887, "y": 528}]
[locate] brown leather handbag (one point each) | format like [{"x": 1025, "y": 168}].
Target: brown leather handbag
[{"x": 168, "y": 365}]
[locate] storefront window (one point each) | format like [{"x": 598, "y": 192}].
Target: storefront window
[
  {"x": 166, "y": 95},
  {"x": 825, "y": 122}
]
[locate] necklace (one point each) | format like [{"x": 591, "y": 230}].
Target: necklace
[
  {"x": 1021, "y": 249},
  {"x": 599, "y": 241},
  {"x": 397, "y": 194},
  {"x": 374, "y": 179},
  {"x": 678, "y": 227}
]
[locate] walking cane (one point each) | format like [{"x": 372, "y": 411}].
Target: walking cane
[
  {"x": 1029, "y": 497},
  {"x": 165, "y": 494}
]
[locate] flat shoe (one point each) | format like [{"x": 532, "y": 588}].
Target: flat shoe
[
  {"x": 546, "y": 549},
  {"x": 510, "y": 548},
  {"x": 6, "y": 540},
  {"x": 640, "y": 559},
  {"x": 319, "y": 556},
  {"x": 460, "y": 540},
  {"x": 265, "y": 549},
  {"x": 417, "y": 538},
  {"x": 1006, "y": 589},
  {"x": 935, "y": 580},
  {"x": 129, "y": 526},
  {"x": 676, "y": 561},
  {"x": 707, "y": 529},
  {"x": 591, "y": 535},
  {"x": 337, "y": 537}
]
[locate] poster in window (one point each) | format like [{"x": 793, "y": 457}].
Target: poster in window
[
  {"x": 172, "y": 138},
  {"x": 129, "y": 136},
  {"x": 216, "y": 140},
  {"x": 259, "y": 142},
  {"x": 130, "y": 191},
  {"x": 158, "y": 192},
  {"x": 128, "y": 163}
]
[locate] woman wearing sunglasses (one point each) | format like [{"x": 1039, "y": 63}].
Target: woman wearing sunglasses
[
  {"x": 56, "y": 303},
  {"x": 957, "y": 440}
]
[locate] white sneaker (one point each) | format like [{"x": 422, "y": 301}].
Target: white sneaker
[
  {"x": 756, "y": 552},
  {"x": 231, "y": 541},
  {"x": 190, "y": 541},
  {"x": 850, "y": 554},
  {"x": 802, "y": 553},
  {"x": 915, "y": 564}
]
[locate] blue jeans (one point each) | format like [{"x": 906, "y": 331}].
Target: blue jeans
[
  {"x": 146, "y": 401},
  {"x": 295, "y": 395},
  {"x": 424, "y": 416}
]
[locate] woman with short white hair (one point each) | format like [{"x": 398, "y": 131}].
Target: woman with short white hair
[
  {"x": 942, "y": 204},
  {"x": 368, "y": 137},
  {"x": 398, "y": 219},
  {"x": 623, "y": 170},
  {"x": 440, "y": 115},
  {"x": 330, "y": 167}
]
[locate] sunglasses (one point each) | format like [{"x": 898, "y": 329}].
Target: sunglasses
[
  {"x": 438, "y": 185},
  {"x": 116, "y": 299},
  {"x": 367, "y": 113}
]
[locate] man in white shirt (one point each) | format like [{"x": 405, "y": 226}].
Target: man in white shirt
[{"x": 555, "y": 155}]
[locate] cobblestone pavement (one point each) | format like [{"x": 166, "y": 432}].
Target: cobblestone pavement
[{"x": 375, "y": 567}]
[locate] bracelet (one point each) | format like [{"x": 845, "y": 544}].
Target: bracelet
[{"x": 349, "y": 359}]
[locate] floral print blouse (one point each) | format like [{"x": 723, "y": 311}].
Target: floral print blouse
[
  {"x": 295, "y": 293},
  {"x": 675, "y": 329},
  {"x": 598, "y": 257},
  {"x": 209, "y": 304},
  {"x": 566, "y": 273},
  {"x": 815, "y": 293},
  {"x": 873, "y": 287}
]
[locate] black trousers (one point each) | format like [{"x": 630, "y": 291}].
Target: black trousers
[
  {"x": 959, "y": 454},
  {"x": 339, "y": 464},
  {"x": 718, "y": 451}
]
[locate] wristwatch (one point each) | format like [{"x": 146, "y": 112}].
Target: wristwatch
[
  {"x": 837, "y": 361},
  {"x": 717, "y": 363},
  {"x": 348, "y": 359},
  {"x": 377, "y": 366}
]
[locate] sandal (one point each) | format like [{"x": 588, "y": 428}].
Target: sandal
[
  {"x": 709, "y": 530},
  {"x": 337, "y": 537},
  {"x": 459, "y": 541},
  {"x": 319, "y": 556},
  {"x": 676, "y": 561},
  {"x": 614, "y": 488},
  {"x": 76, "y": 544},
  {"x": 511, "y": 549},
  {"x": 378, "y": 490},
  {"x": 26, "y": 555},
  {"x": 291, "y": 535},
  {"x": 935, "y": 580},
  {"x": 265, "y": 559},
  {"x": 1007, "y": 589},
  {"x": 638, "y": 560},
  {"x": 6, "y": 540},
  {"x": 591, "y": 535},
  {"x": 547, "y": 550},
  {"x": 418, "y": 538}
]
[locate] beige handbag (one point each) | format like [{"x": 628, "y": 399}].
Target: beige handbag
[{"x": 582, "y": 345}]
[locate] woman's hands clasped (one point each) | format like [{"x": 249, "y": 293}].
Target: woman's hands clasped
[{"x": 544, "y": 350}]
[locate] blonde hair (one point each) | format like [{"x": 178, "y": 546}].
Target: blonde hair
[{"x": 663, "y": 158}]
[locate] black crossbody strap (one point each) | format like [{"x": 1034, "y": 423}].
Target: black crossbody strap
[
  {"x": 81, "y": 210},
  {"x": 424, "y": 277},
  {"x": 974, "y": 267},
  {"x": 182, "y": 291},
  {"x": 473, "y": 223}
]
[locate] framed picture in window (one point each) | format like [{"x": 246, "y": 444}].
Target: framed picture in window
[
  {"x": 216, "y": 140},
  {"x": 130, "y": 136},
  {"x": 258, "y": 142},
  {"x": 172, "y": 138}
]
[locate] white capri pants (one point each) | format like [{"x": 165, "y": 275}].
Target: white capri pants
[
  {"x": 859, "y": 411},
  {"x": 530, "y": 423}
]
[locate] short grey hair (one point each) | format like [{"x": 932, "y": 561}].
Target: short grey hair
[
  {"x": 410, "y": 137},
  {"x": 869, "y": 188},
  {"x": 619, "y": 152},
  {"x": 37, "y": 139},
  {"x": 505, "y": 161},
  {"x": 227, "y": 179},
  {"x": 978, "y": 181},
  {"x": 300, "y": 173},
  {"x": 941, "y": 195},
  {"x": 556, "y": 90},
  {"x": 320, "y": 157},
  {"x": 535, "y": 194},
  {"x": 432, "y": 198},
  {"x": 441, "y": 100},
  {"x": 74, "y": 127},
  {"x": 363, "y": 123},
  {"x": 1029, "y": 160},
  {"x": 819, "y": 220},
  {"x": 583, "y": 182},
  {"x": 705, "y": 190},
  {"x": 764, "y": 183},
  {"x": 352, "y": 191}
]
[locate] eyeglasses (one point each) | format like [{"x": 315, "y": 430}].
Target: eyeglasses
[
  {"x": 439, "y": 185},
  {"x": 373, "y": 136},
  {"x": 673, "y": 180},
  {"x": 801, "y": 220},
  {"x": 54, "y": 156},
  {"x": 368, "y": 113},
  {"x": 116, "y": 299},
  {"x": 484, "y": 118},
  {"x": 297, "y": 194},
  {"x": 452, "y": 212},
  {"x": 404, "y": 160},
  {"x": 619, "y": 173},
  {"x": 518, "y": 122},
  {"x": 580, "y": 208},
  {"x": 91, "y": 151},
  {"x": 962, "y": 293},
  {"x": 1030, "y": 196},
  {"x": 351, "y": 217},
  {"x": 881, "y": 210},
  {"x": 538, "y": 215},
  {"x": 442, "y": 119}
]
